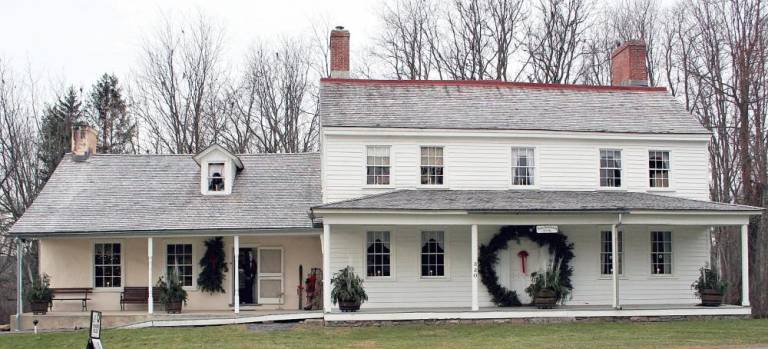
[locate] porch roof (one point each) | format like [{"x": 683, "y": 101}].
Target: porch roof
[{"x": 530, "y": 201}]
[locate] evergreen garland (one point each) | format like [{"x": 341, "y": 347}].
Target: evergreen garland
[
  {"x": 213, "y": 266},
  {"x": 557, "y": 244}
]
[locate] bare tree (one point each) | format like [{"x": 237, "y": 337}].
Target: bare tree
[
  {"x": 409, "y": 30},
  {"x": 637, "y": 20}
]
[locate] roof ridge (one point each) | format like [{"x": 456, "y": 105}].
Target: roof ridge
[{"x": 496, "y": 83}]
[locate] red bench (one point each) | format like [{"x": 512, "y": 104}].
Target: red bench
[{"x": 72, "y": 294}]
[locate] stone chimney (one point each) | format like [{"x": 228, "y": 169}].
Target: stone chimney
[
  {"x": 83, "y": 142},
  {"x": 628, "y": 64},
  {"x": 340, "y": 53}
]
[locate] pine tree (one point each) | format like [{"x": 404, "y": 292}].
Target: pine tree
[
  {"x": 56, "y": 130},
  {"x": 108, "y": 112}
]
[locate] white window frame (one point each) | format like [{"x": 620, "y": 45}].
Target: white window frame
[
  {"x": 513, "y": 166},
  {"x": 365, "y": 166},
  {"x": 445, "y": 254},
  {"x": 622, "y": 253},
  {"x": 194, "y": 261},
  {"x": 391, "y": 255},
  {"x": 421, "y": 164},
  {"x": 669, "y": 171},
  {"x": 122, "y": 265},
  {"x": 622, "y": 173},
  {"x": 671, "y": 253},
  {"x": 223, "y": 177}
]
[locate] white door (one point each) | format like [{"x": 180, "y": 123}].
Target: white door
[{"x": 270, "y": 275}]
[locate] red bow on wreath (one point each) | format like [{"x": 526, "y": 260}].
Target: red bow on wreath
[{"x": 523, "y": 259}]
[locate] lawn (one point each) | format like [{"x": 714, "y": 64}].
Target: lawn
[{"x": 683, "y": 334}]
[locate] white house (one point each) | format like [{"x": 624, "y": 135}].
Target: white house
[{"x": 412, "y": 178}]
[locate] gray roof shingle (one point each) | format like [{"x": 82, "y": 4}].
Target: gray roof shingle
[
  {"x": 529, "y": 201},
  {"x": 502, "y": 106},
  {"x": 123, "y": 193}
]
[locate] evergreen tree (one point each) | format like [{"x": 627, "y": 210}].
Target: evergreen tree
[
  {"x": 108, "y": 112},
  {"x": 56, "y": 130}
]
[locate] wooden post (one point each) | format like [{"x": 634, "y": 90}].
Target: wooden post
[
  {"x": 615, "y": 264},
  {"x": 236, "y": 270},
  {"x": 19, "y": 280},
  {"x": 475, "y": 302},
  {"x": 150, "y": 253},
  {"x": 745, "y": 265},
  {"x": 326, "y": 248}
]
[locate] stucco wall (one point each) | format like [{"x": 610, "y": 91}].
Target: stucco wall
[{"x": 69, "y": 262}]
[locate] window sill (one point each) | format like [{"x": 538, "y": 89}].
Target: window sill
[
  {"x": 108, "y": 289},
  {"x": 524, "y": 187},
  {"x": 434, "y": 278},
  {"x": 660, "y": 190},
  {"x": 611, "y": 188},
  {"x": 609, "y": 278},
  {"x": 379, "y": 278},
  {"x": 432, "y": 186},
  {"x": 373, "y": 186},
  {"x": 668, "y": 276}
]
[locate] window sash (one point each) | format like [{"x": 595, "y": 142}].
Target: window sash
[
  {"x": 523, "y": 166},
  {"x": 658, "y": 169},
  {"x": 216, "y": 183},
  {"x": 377, "y": 166},
  {"x": 178, "y": 259},
  {"x": 661, "y": 252},
  {"x": 107, "y": 265},
  {"x": 378, "y": 252},
  {"x": 606, "y": 256},
  {"x": 610, "y": 168},
  {"x": 432, "y": 166},
  {"x": 432, "y": 254}
]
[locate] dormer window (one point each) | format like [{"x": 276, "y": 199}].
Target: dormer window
[{"x": 216, "y": 177}]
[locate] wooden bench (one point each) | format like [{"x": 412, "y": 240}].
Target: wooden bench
[
  {"x": 137, "y": 295},
  {"x": 72, "y": 294}
]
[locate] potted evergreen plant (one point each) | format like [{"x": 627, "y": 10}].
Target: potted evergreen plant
[
  {"x": 348, "y": 290},
  {"x": 172, "y": 293},
  {"x": 709, "y": 287},
  {"x": 546, "y": 288},
  {"x": 40, "y": 294}
]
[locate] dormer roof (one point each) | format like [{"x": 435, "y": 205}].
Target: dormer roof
[{"x": 217, "y": 148}]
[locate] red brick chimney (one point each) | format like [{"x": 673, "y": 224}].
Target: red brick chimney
[
  {"x": 628, "y": 64},
  {"x": 340, "y": 53}
]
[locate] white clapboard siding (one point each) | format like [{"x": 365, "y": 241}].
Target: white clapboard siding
[
  {"x": 485, "y": 163},
  {"x": 405, "y": 288}
]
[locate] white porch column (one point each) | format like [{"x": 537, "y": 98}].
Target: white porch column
[
  {"x": 19, "y": 285},
  {"x": 615, "y": 264},
  {"x": 150, "y": 253},
  {"x": 236, "y": 271},
  {"x": 745, "y": 265},
  {"x": 475, "y": 302},
  {"x": 326, "y": 248}
]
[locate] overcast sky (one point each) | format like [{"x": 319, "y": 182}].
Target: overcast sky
[{"x": 75, "y": 41}]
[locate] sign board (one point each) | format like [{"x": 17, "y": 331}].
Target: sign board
[
  {"x": 546, "y": 229},
  {"x": 94, "y": 339}
]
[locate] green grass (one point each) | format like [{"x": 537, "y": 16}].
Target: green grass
[{"x": 682, "y": 334}]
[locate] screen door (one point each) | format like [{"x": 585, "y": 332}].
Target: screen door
[{"x": 270, "y": 275}]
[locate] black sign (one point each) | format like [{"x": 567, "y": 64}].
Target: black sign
[{"x": 94, "y": 335}]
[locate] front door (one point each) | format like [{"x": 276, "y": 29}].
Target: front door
[
  {"x": 247, "y": 268},
  {"x": 270, "y": 275}
]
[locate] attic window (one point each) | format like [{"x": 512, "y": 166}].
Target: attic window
[{"x": 216, "y": 177}]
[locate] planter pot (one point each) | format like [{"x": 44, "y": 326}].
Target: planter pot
[
  {"x": 173, "y": 307},
  {"x": 39, "y": 307},
  {"x": 545, "y": 299},
  {"x": 349, "y": 306},
  {"x": 711, "y": 297}
]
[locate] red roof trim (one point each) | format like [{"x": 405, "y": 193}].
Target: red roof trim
[{"x": 493, "y": 83}]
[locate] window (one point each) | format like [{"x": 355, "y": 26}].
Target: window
[
  {"x": 432, "y": 253},
  {"x": 107, "y": 261},
  {"x": 606, "y": 250},
  {"x": 432, "y": 165},
  {"x": 658, "y": 169},
  {"x": 661, "y": 252},
  {"x": 179, "y": 262},
  {"x": 523, "y": 166},
  {"x": 377, "y": 164},
  {"x": 216, "y": 177},
  {"x": 610, "y": 168},
  {"x": 378, "y": 254}
]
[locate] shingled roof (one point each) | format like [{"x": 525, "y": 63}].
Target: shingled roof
[
  {"x": 529, "y": 201},
  {"x": 492, "y": 105},
  {"x": 134, "y": 193}
]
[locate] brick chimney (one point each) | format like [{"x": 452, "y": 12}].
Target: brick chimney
[
  {"x": 628, "y": 64},
  {"x": 83, "y": 142},
  {"x": 339, "y": 53}
]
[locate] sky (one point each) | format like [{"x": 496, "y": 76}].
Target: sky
[{"x": 75, "y": 41}]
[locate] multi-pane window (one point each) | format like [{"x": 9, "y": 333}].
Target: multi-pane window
[
  {"x": 658, "y": 169},
  {"x": 432, "y": 165},
  {"x": 610, "y": 168},
  {"x": 377, "y": 164},
  {"x": 523, "y": 166},
  {"x": 377, "y": 253},
  {"x": 216, "y": 177},
  {"x": 661, "y": 252},
  {"x": 606, "y": 253},
  {"x": 107, "y": 261},
  {"x": 179, "y": 262},
  {"x": 432, "y": 253}
]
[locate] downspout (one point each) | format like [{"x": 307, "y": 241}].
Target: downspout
[
  {"x": 615, "y": 261},
  {"x": 19, "y": 279}
]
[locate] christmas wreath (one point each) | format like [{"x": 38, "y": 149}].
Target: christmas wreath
[
  {"x": 213, "y": 266},
  {"x": 557, "y": 244}
]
